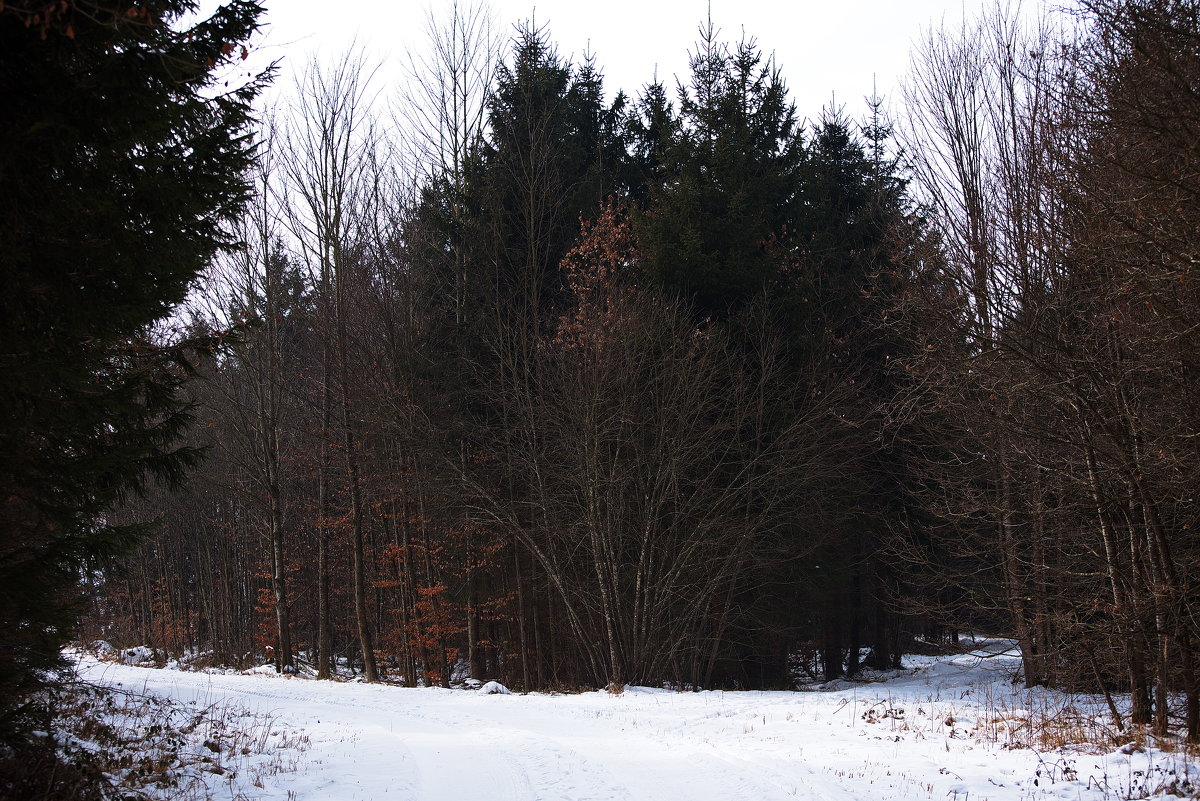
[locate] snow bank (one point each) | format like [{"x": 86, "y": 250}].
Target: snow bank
[{"x": 141, "y": 655}]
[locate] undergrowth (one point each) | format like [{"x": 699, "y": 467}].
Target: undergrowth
[{"x": 112, "y": 744}]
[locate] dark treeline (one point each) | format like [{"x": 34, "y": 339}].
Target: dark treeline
[{"x": 565, "y": 391}]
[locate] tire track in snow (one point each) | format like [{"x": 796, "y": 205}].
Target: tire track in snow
[
  {"x": 418, "y": 756},
  {"x": 558, "y": 771},
  {"x": 554, "y": 755},
  {"x": 378, "y": 743},
  {"x": 372, "y": 738},
  {"x": 642, "y": 766},
  {"x": 454, "y": 764}
]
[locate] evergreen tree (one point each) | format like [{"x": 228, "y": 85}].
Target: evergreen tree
[
  {"x": 729, "y": 179},
  {"x": 554, "y": 152},
  {"x": 118, "y": 165},
  {"x": 837, "y": 240},
  {"x": 854, "y": 212},
  {"x": 652, "y": 128}
]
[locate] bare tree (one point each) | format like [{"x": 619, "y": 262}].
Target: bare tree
[
  {"x": 258, "y": 281},
  {"x": 445, "y": 119},
  {"x": 1058, "y": 168},
  {"x": 444, "y": 108},
  {"x": 979, "y": 110},
  {"x": 653, "y": 484},
  {"x": 328, "y": 149}
]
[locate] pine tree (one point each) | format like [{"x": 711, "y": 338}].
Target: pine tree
[{"x": 119, "y": 163}]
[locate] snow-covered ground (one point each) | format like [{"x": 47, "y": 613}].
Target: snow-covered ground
[{"x": 943, "y": 729}]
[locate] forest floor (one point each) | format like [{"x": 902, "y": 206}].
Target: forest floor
[{"x": 952, "y": 727}]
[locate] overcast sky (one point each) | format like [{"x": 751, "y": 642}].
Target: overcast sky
[{"x": 826, "y": 48}]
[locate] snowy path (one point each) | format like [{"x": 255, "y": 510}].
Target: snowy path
[{"x": 915, "y": 737}]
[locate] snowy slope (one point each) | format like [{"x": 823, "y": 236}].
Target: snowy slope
[{"x": 936, "y": 731}]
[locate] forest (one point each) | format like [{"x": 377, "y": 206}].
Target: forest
[{"x": 520, "y": 380}]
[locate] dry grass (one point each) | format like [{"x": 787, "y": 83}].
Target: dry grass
[
  {"x": 113, "y": 743},
  {"x": 1059, "y": 728}
]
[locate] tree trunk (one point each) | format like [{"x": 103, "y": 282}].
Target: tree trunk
[{"x": 349, "y": 443}]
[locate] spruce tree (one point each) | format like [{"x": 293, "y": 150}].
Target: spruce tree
[
  {"x": 726, "y": 189},
  {"x": 854, "y": 211},
  {"x": 653, "y": 127},
  {"x": 120, "y": 158},
  {"x": 555, "y": 151}
]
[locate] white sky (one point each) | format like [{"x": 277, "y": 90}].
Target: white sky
[{"x": 823, "y": 47}]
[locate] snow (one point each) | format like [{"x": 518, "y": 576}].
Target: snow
[
  {"x": 140, "y": 655},
  {"x": 944, "y": 728}
]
